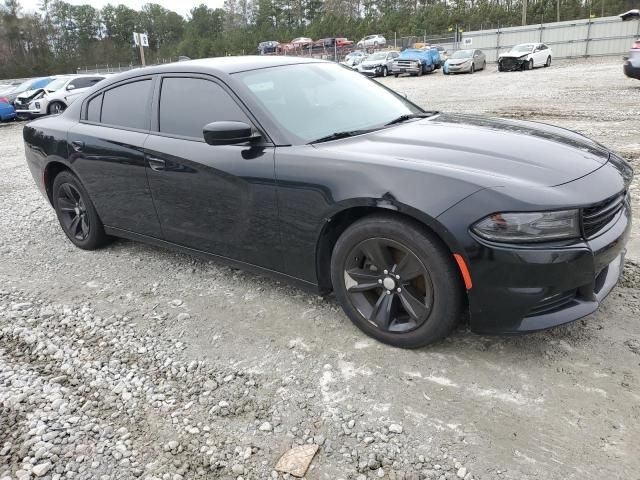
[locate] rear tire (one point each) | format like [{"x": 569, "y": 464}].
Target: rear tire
[
  {"x": 77, "y": 215},
  {"x": 420, "y": 305}
]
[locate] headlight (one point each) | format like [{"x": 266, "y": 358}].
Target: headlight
[
  {"x": 525, "y": 227},
  {"x": 523, "y": 56}
]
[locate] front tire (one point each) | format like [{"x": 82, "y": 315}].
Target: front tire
[
  {"x": 472, "y": 69},
  {"x": 548, "y": 62},
  {"x": 55, "y": 108},
  {"x": 77, "y": 215},
  {"x": 529, "y": 64},
  {"x": 396, "y": 281},
  {"x": 385, "y": 71}
]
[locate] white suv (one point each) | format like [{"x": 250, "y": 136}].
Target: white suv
[{"x": 374, "y": 41}]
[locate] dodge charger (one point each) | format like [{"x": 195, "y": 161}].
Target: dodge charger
[{"x": 308, "y": 171}]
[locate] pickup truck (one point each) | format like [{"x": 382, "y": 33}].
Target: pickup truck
[{"x": 416, "y": 61}]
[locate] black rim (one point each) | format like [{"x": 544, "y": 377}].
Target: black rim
[
  {"x": 388, "y": 285},
  {"x": 73, "y": 211}
]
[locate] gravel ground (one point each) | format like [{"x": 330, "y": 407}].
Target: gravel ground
[{"x": 137, "y": 362}]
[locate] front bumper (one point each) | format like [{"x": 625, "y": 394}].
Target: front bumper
[
  {"x": 371, "y": 72},
  {"x": 461, "y": 68},
  {"x": 524, "y": 288},
  {"x": 631, "y": 71},
  {"x": 534, "y": 289},
  {"x": 510, "y": 64}
]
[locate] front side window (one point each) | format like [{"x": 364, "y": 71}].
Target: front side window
[
  {"x": 310, "y": 101},
  {"x": 85, "y": 82},
  {"x": 126, "y": 105},
  {"x": 188, "y": 104}
]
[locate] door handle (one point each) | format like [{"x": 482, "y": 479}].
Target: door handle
[
  {"x": 156, "y": 164},
  {"x": 77, "y": 145}
]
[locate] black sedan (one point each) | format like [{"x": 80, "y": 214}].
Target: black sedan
[{"x": 312, "y": 172}]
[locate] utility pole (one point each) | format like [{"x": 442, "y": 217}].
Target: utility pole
[
  {"x": 558, "y": 9},
  {"x": 524, "y": 12}
]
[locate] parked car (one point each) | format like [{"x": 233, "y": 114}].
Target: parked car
[
  {"x": 377, "y": 64},
  {"x": 298, "y": 43},
  {"x": 26, "y": 86},
  {"x": 343, "y": 42},
  {"x": 310, "y": 172},
  {"x": 268, "y": 47},
  {"x": 7, "y": 111},
  {"x": 354, "y": 58},
  {"x": 525, "y": 56},
  {"x": 372, "y": 41},
  {"x": 324, "y": 43},
  {"x": 465, "y": 61},
  {"x": 416, "y": 61},
  {"x": 632, "y": 62},
  {"x": 52, "y": 98}
]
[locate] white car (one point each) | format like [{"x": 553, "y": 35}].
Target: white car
[
  {"x": 525, "y": 56},
  {"x": 55, "y": 97},
  {"x": 374, "y": 41}
]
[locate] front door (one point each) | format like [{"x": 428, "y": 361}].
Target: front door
[{"x": 218, "y": 199}]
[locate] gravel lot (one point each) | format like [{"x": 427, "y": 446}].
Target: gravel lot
[{"x": 137, "y": 362}]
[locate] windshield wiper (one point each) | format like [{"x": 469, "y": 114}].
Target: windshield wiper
[
  {"x": 339, "y": 135},
  {"x": 411, "y": 116}
]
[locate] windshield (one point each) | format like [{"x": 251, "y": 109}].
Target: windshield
[
  {"x": 377, "y": 56},
  {"x": 462, "y": 54},
  {"x": 57, "y": 84},
  {"x": 527, "y": 47},
  {"x": 311, "y": 101}
]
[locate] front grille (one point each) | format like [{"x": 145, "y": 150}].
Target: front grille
[
  {"x": 554, "y": 302},
  {"x": 404, "y": 63},
  {"x": 509, "y": 62},
  {"x": 598, "y": 216}
]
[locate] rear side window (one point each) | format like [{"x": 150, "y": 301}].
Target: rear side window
[
  {"x": 126, "y": 105},
  {"x": 93, "y": 109},
  {"x": 85, "y": 82},
  {"x": 188, "y": 104}
]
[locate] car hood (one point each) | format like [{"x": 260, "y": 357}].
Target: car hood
[
  {"x": 487, "y": 151},
  {"x": 458, "y": 61},
  {"x": 513, "y": 55},
  {"x": 371, "y": 63}
]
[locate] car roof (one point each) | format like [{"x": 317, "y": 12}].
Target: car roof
[{"x": 219, "y": 65}]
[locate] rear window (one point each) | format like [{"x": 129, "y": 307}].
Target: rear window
[{"x": 126, "y": 105}]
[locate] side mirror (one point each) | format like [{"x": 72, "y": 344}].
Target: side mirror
[
  {"x": 70, "y": 87},
  {"x": 228, "y": 133}
]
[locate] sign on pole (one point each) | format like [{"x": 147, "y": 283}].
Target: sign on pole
[
  {"x": 141, "y": 40},
  {"x": 467, "y": 41}
]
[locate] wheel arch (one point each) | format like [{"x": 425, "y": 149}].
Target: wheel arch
[
  {"x": 51, "y": 171},
  {"x": 340, "y": 220}
]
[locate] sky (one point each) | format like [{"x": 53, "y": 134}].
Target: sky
[{"x": 180, "y": 6}]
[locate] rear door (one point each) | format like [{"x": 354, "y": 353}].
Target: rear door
[
  {"x": 218, "y": 199},
  {"x": 106, "y": 151}
]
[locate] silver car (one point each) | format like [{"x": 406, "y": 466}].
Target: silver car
[
  {"x": 632, "y": 62},
  {"x": 378, "y": 64},
  {"x": 372, "y": 41},
  {"x": 465, "y": 61}
]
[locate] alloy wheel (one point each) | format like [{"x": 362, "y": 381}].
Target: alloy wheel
[
  {"x": 73, "y": 211},
  {"x": 388, "y": 285}
]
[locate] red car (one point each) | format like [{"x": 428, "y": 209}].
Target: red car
[{"x": 343, "y": 42}]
